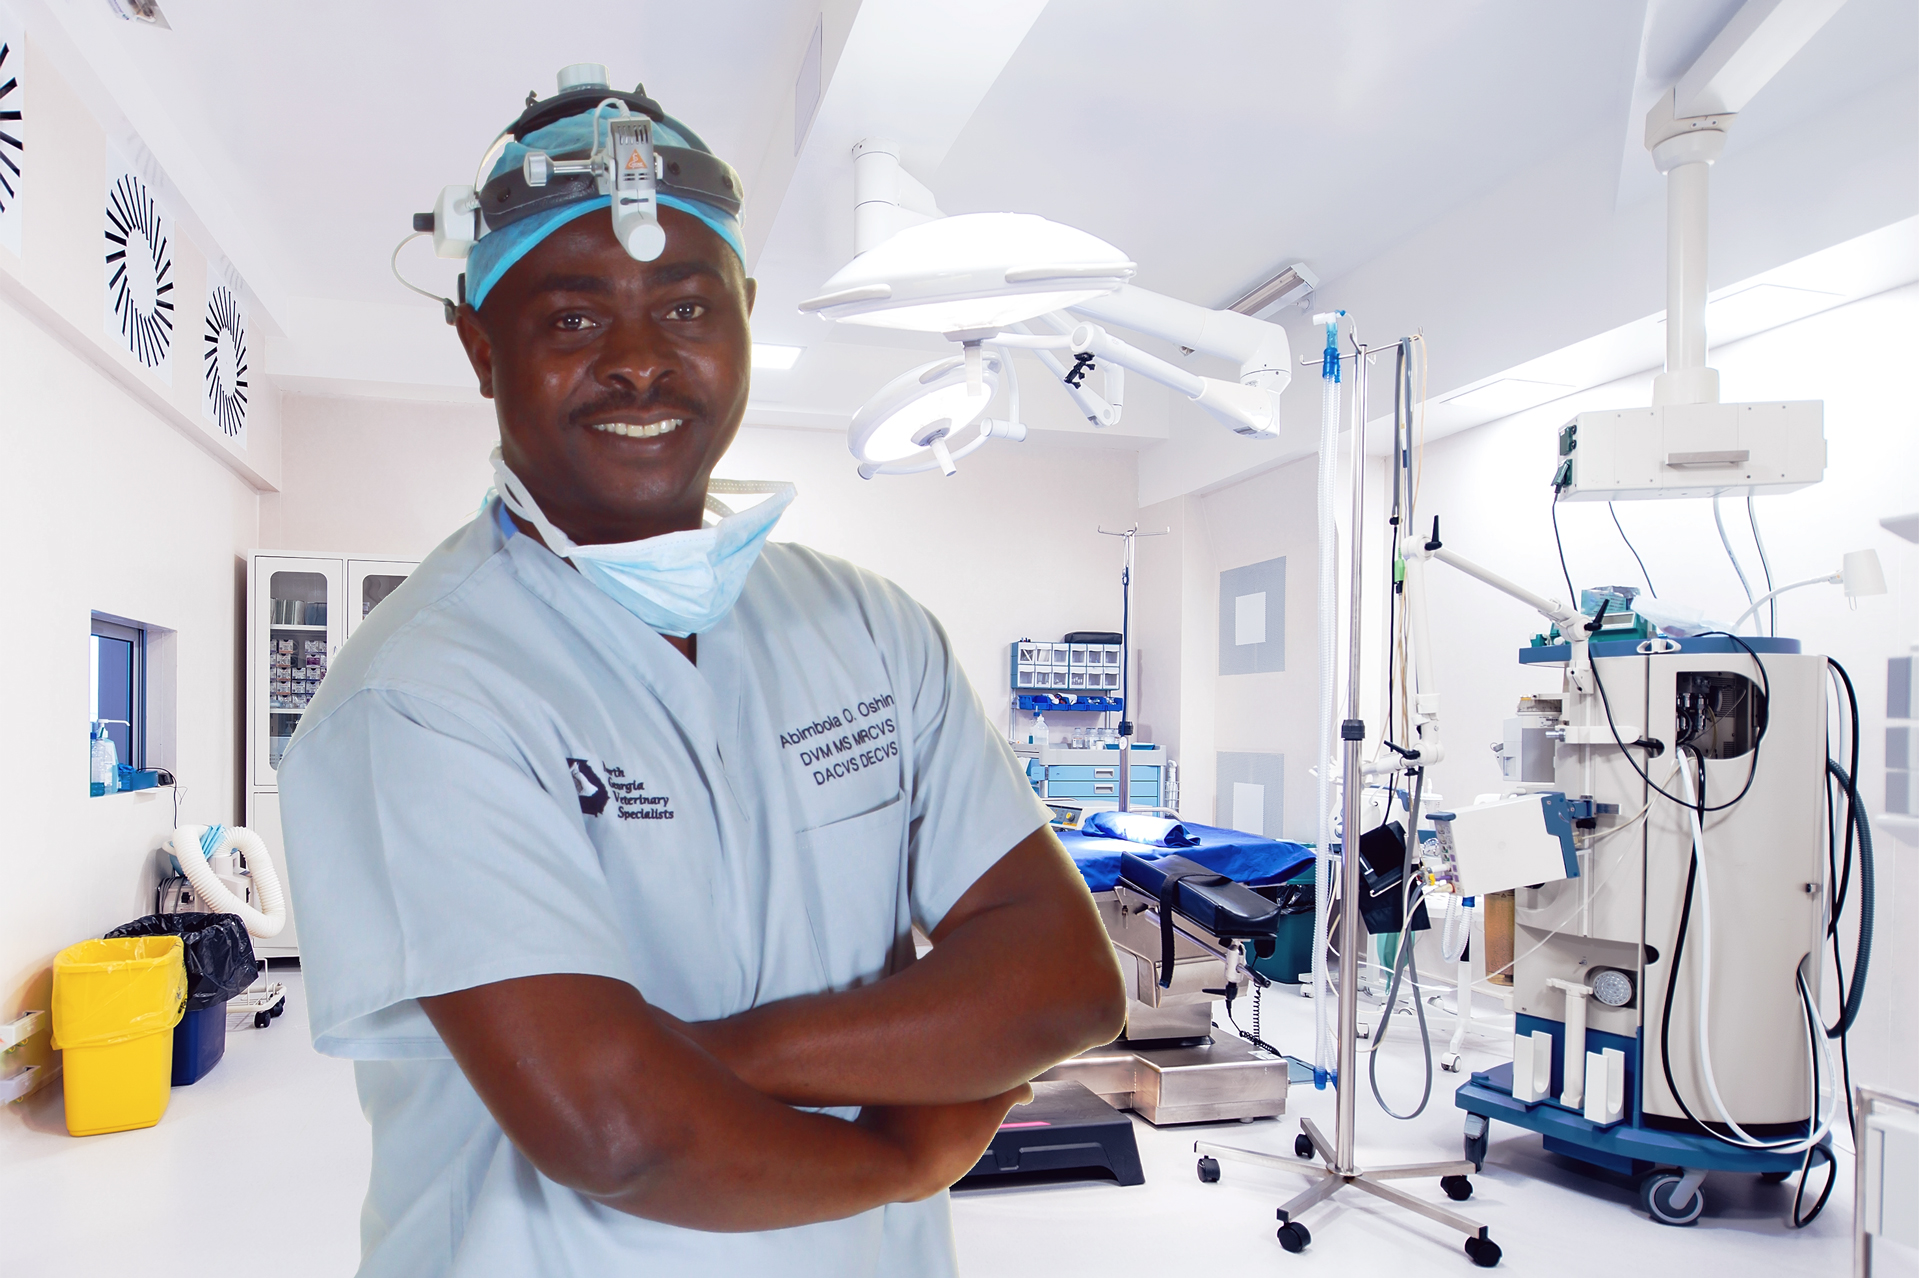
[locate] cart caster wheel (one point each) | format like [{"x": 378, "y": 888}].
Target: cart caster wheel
[
  {"x": 1774, "y": 1177},
  {"x": 1656, "y": 1199},
  {"x": 1450, "y": 1062},
  {"x": 1303, "y": 1146},
  {"x": 277, "y": 1008},
  {"x": 1484, "y": 1252},
  {"x": 1458, "y": 1188},
  {"x": 1209, "y": 1169},
  {"x": 1475, "y": 1141},
  {"x": 262, "y": 1019},
  {"x": 1294, "y": 1237}
]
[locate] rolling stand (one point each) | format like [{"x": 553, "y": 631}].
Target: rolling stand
[{"x": 1338, "y": 1169}]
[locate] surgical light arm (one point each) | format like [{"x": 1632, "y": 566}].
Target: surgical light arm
[
  {"x": 1251, "y": 407},
  {"x": 1245, "y": 409}
]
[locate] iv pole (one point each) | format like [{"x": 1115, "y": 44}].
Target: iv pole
[
  {"x": 1339, "y": 1168},
  {"x": 1126, "y": 659}
]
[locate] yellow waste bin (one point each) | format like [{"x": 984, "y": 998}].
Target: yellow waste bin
[{"x": 115, "y": 1004}]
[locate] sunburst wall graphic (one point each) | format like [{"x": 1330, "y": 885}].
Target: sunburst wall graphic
[
  {"x": 13, "y": 132},
  {"x": 223, "y": 379},
  {"x": 139, "y": 271}
]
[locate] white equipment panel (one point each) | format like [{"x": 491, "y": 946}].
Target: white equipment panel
[{"x": 1692, "y": 450}]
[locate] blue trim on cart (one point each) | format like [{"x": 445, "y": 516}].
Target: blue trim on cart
[
  {"x": 1558, "y": 653},
  {"x": 1624, "y": 1147}
]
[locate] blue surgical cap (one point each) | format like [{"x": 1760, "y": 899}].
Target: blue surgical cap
[{"x": 497, "y": 251}]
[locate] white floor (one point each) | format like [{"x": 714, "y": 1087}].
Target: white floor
[{"x": 263, "y": 1164}]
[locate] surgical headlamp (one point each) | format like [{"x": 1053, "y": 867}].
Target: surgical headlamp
[{"x": 624, "y": 162}]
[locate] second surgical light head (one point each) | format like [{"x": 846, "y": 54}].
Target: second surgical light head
[{"x": 589, "y": 147}]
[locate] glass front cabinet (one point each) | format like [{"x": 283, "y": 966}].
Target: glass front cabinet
[{"x": 301, "y": 609}]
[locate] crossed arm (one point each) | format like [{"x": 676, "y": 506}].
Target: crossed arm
[{"x": 691, "y": 1123}]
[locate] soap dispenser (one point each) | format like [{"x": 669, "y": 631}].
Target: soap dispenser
[{"x": 104, "y": 762}]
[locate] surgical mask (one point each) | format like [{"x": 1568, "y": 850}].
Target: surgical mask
[{"x": 679, "y": 583}]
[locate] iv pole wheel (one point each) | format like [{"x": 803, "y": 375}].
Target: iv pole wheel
[
  {"x": 1458, "y": 1188},
  {"x": 1656, "y": 1199},
  {"x": 1209, "y": 1171},
  {"x": 1303, "y": 1146},
  {"x": 1294, "y": 1237},
  {"x": 1483, "y": 1251}
]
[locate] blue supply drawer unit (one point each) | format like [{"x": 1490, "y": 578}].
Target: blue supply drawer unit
[
  {"x": 1147, "y": 792},
  {"x": 1101, "y": 772}
]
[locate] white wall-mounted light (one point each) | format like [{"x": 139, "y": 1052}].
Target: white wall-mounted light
[
  {"x": 771, "y": 355},
  {"x": 911, "y": 424},
  {"x": 976, "y": 271},
  {"x": 1860, "y": 575}
]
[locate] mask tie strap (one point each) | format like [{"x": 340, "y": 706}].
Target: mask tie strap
[{"x": 516, "y": 498}]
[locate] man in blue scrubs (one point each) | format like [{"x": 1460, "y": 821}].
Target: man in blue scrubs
[{"x": 610, "y": 830}]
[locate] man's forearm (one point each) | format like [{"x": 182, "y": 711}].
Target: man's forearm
[
  {"x": 1026, "y": 979},
  {"x": 641, "y": 1119}
]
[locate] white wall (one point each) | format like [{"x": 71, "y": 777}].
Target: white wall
[
  {"x": 1005, "y": 549},
  {"x": 114, "y": 512},
  {"x": 1490, "y": 487},
  {"x": 119, "y": 501}
]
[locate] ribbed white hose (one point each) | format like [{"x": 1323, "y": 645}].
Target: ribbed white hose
[
  {"x": 186, "y": 849},
  {"x": 1329, "y": 537}
]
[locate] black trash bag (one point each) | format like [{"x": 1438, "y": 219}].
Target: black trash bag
[
  {"x": 219, "y": 953},
  {"x": 1383, "y": 901}
]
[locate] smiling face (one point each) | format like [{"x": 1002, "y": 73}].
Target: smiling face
[{"x": 618, "y": 384}]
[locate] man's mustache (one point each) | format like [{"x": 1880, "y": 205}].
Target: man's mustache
[{"x": 606, "y": 406}]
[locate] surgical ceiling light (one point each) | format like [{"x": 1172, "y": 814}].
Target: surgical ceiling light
[
  {"x": 986, "y": 278},
  {"x": 907, "y": 426},
  {"x": 973, "y": 272}
]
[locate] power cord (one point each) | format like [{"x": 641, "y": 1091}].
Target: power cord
[
  {"x": 1654, "y": 746},
  {"x": 1651, "y": 592}
]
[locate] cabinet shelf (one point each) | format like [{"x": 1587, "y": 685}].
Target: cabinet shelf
[{"x": 280, "y": 626}]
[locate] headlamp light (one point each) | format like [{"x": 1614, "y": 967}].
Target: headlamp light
[{"x": 622, "y": 161}]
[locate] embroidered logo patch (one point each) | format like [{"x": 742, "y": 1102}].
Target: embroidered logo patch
[
  {"x": 587, "y": 783},
  {"x": 632, "y": 800}
]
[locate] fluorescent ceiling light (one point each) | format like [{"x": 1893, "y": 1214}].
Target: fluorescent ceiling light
[
  {"x": 1507, "y": 395},
  {"x": 1762, "y": 306},
  {"x": 932, "y": 402},
  {"x": 771, "y": 355},
  {"x": 1291, "y": 285},
  {"x": 974, "y": 272}
]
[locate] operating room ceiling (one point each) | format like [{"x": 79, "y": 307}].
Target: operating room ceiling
[{"x": 1215, "y": 141}]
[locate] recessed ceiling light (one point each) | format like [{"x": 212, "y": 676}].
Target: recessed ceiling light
[
  {"x": 139, "y": 11},
  {"x": 1507, "y": 395},
  {"x": 770, "y": 355}
]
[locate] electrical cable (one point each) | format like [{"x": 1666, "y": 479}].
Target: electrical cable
[
  {"x": 1817, "y": 1129},
  {"x": 1766, "y": 698},
  {"x": 1573, "y": 598},
  {"x": 1732, "y": 558},
  {"x": 1795, "y": 1219},
  {"x": 1651, "y": 592}
]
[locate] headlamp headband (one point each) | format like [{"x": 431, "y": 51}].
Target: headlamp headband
[{"x": 543, "y": 171}]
